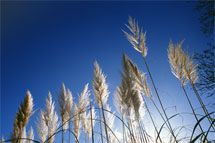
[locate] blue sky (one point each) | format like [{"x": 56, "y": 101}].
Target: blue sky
[{"x": 46, "y": 43}]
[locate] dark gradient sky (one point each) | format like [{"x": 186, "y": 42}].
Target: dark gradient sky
[{"x": 47, "y": 43}]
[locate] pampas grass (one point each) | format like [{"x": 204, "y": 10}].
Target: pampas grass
[
  {"x": 91, "y": 121},
  {"x": 101, "y": 94},
  {"x": 62, "y": 100},
  {"x": 100, "y": 87},
  {"x": 143, "y": 50},
  {"x": 133, "y": 98},
  {"x": 184, "y": 69},
  {"x": 79, "y": 119},
  {"x": 136, "y": 38},
  {"x": 79, "y": 112},
  {"x": 76, "y": 122},
  {"x": 65, "y": 101},
  {"x": 22, "y": 117},
  {"x": 88, "y": 121},
  {"x": 84, "y": 99},
  {"x": 48, "y": 122}
]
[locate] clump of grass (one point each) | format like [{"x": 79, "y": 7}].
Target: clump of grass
[
  {"x": 137, "y": 40},
  {"x": 129, "y": 100},
  {"x": 176, "y": 60},
  {"x": 185, "y": 70}
]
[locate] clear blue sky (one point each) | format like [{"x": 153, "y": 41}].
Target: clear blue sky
[{"x": 46, "y": 43}]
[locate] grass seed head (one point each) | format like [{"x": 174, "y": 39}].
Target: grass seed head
[
  {"x": 100, "y": 86},
  {"x": 23, "y": 115}
]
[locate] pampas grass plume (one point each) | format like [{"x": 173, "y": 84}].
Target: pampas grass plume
[
  {"x": 42, "y": 129},
  {"x": 23, "y": 115},
  {"x": 76, "y": 121},
  {"x": 84, "y": 100},
  {"x": 99, "y": 85},
  {"x": 48, "y": 122},
  {"x": 136, "y": 38}
]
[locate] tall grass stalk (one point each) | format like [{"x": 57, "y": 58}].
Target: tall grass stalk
[
  {"x": 130, "y": 128},
  {"x": 100, "y": 123},
  {"x": 104, "y": 118},
  {"x": 137, "y": 39},
  {"x": 142, "y": 133},
  {"x": 22, "y": 117},
  {"x": 191, "y": 106},
  {"x": 91, "y": 119},
  {"x": 142, "y": 83},
  {"x": 152, "y": 120},
  {"x": 184, "y": 69},
  {"x": 62, "y": 103},
  {"x": 162, "y": 107},
  {"x": 177, "y": 64},
  {"x": 190, "y": 71},
  {"x": 123, "y": 131},
  {"x": 101, "y": 92},
  {"x": 203, "y": 106}
]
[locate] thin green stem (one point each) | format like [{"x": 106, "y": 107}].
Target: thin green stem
[
  {"x": 62, "y": 132},
  {"x": 192, "y": 107},
  {"x": 91, "y": 123},
  {"x": 105, "y": 124},
  {"x": 123, "y": 130},
  {"x": 100, "y": 125},
  {"x": 131, "y": 131},
  {"x": 151, "y": 119},
  {"x": 171, "y": 130},
  {"x": 202, "y": 104},
  {"x": 142, "y": 134},
  {"x": 69, "y": 132}
]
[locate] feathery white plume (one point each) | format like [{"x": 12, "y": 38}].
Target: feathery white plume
[
  {"x": 62, "y": 98},
  {"x": 175, "y": 55},
  {"x": 42, "y": 129},
  {"x": 181, "y": 64},
  {"x": 140, "y": 79},
  {"x": 23, "y": 115},
  {"x": 48, "y": 122},
  {"x": 86, "y": 121},
  {"x": 76, "y": 121},
  {"x": 69, "y": 102},
  {"x": 118, "y": 102},
  {"x": 129, "y": 94},
  {"x": 190, "y": 69},
  {"x": 100, "y": 87},
  {"x": 84, "y": 100},
  {"x": 110, "y": 118},
  {"x": 110, "y": 123},
  {"x": 136, "y": 38},
  {"x": 146, "y": 89}
]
